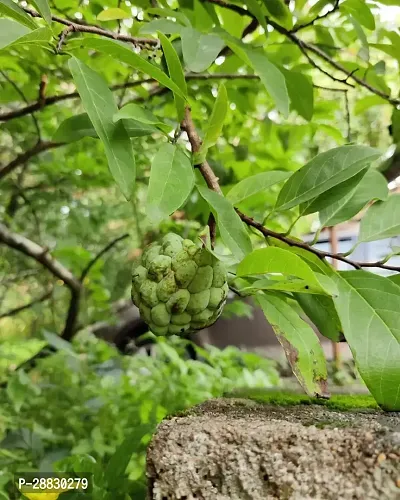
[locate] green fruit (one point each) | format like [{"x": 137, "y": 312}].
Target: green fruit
[{"x": 178, "y": 286}]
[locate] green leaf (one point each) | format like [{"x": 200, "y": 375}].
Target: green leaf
[
  {"x": 272, "y": 78},
  {"x": 395, "y": 278},
  {"x": 255, "y": 8},
  {"x": 98, "y": 101},
  {"x": 368, "y": 306},
  {"x": 323, "y": 172},
  {"x": 199, "y": 50},
  {"x": 161, "y": 25},
  {"x": 367, "y": 102},
  {"x": 255, "y": 184},
  {"x": 116, "y": 467},
  {"x": 387, "y": 49},
  {"x": 11, "y": 31},
  {"x": 364, "y": 52},
  {"x": 279, "y": 11},
  {"x": 333, "y": 195},
  {"x": 171, "y": 182},
  {"x": 165, "y": 12},
  {"x": 58, "y": 342},
  {"x": 396, "y": 125},
  {"x": 113, "y": 14},
  {"x": 79, "y": 126},
  {"x": 232, "y": 229},
  {"x": 373, "y": 186},
  {"x": 214, "y": 127},
  {"x": 11, "y": 9},
  {"x": 301, "y": 92},
  {"x": 300, "y": 343},
  {"x": 175, "y": 72},
  {"x": 382, "y": 220},
  {"x": 43, "y": 8},
  {"x": 360, "y": 10},
  {"x": 321, "y": 311},
  {"x": 122, "y": 53},
  {"x": 283, "y": 285},
  {"x": 279, "y": 260},
  {"x": 140, "y": 114}
]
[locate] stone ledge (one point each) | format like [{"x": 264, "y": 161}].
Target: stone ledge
[{"x": 237, "y": 449}]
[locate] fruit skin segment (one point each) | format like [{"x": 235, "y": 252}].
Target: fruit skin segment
[{"x": 178, "y": 286}]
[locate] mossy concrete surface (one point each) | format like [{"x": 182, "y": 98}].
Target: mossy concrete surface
[{"x": 242, "y": 449}]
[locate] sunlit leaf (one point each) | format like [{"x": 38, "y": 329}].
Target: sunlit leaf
[
  {"x": 113, "y": 14},
  {"x": 43, "y": 8}
]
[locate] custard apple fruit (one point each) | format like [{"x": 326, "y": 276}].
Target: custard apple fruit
[{"x": 178, "y": 286}]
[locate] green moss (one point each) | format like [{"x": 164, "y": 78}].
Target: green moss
[{"x": 336, "y": 402}]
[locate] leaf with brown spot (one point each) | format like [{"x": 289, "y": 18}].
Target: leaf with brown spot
[{"x": 300, "y": 343}]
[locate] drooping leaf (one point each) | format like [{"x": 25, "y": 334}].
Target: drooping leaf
[
  {"x": 58, "y": 343},
  {"x": 323, "y": 172},
  {"x": 98, "y": 101},
  {"x": 272, "y": 78},
  {"x": 171, "y": 182},
  {"x": 333, "y": 195},
  {"x": 382, "y": 220},
  {"x": 122, "y": 53},
  {"x": 279, "y": 260},
  {"x": 232, "y": 229},
  {"x": 388, "y": 49},
  {"x": 255, "y": 184},
  {"x": 321, "y": 311},
  {"x": 11, "y": 9},
  {"x": 166, "y": 12},
  {"x": 367, "y": 102},
  {"x": 368, "y": 306},
  {"x": 301, "y": 92},
  {"x": 165, "y": 26},
  {"x": 283, "y": 285},
  {"x": 43, "y": 8},
  {"x": 396, "y": 125},
  {"x": 113, "y": 14},
  {"x": 175, "y": 72},
  {"x": 373, "y": 186},
  {"x": 79, "y": 126},
  {"x": 214, "y": 127},
  {"x": 199, "y": 50},
  {"x": 300, "y": 343},
  {"x": 364, "y": 51}
]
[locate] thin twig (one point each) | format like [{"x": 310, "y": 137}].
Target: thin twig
[
  {"x": 17, "y": 310},
  {"x": 347, "y": 108},
  {"x": 212, "y": 183},
  {"x": 309, "y": 48},
  {"x": 27, "y": 155},
  {"x": 107, "y": 248},
  {"x": 317, "y": 18},
  {"x": 63, "y": 35},
  {"x": 22, "y": 95},
  {"x": 86, "y": 28}
]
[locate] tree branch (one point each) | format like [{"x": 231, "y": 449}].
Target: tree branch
[
  {"x": 95, "y": 30},
  {"x": 304, "y": 46},
  {"x": 108, "y": 247},
  {"x": 317, "y": 18},
  {"x": 17, "y": 310},
  {"x": 212, "y": 183},
  {"x": 73, "y": 309},
  {"x": 40, "y": 254},
  {"x": 27, "y": 155}
]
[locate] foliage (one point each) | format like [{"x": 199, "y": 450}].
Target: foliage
[
  {"x": 91, "y": 409},
  {"x": 123, "y": 113}
]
